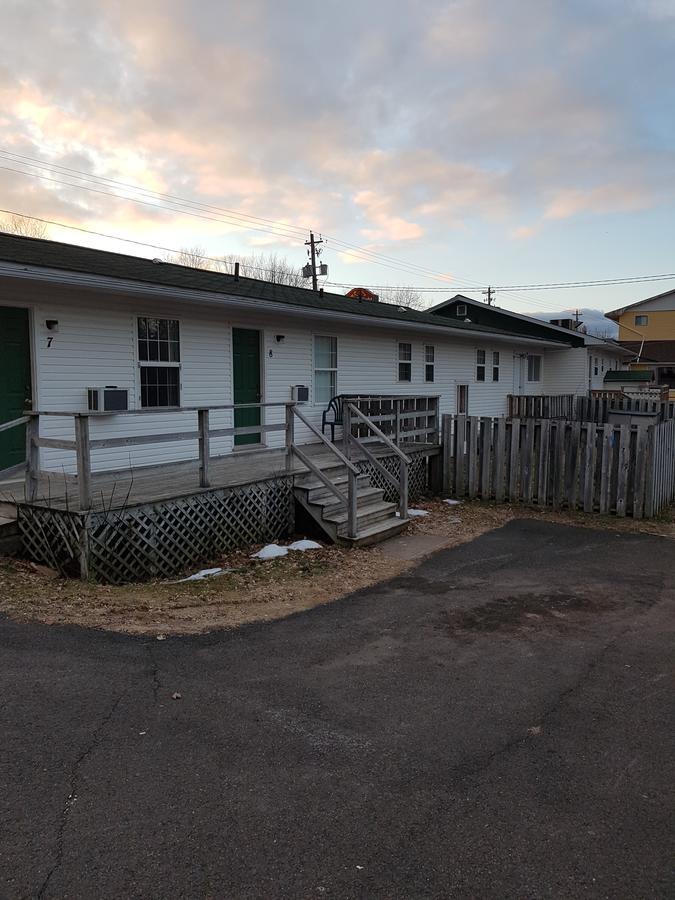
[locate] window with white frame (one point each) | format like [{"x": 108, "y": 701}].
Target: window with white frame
[
  {"x": 404, "y": 361},
  {"x": 495, "y": 365},
  {"x": 642, "y": 320},
  {"x": 159, "y": 362},
  {"x": 534, "y": 368},
  {"x": 480, "y": 365},
  {"x": 429, "y": 361},
  {"x": 325, "y": 369}
]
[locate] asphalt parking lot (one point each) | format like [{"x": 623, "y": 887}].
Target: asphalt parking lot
[{"x": 498, "y": 722}]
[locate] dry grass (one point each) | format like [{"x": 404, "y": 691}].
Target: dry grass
[{"x": 254, "y": 590}]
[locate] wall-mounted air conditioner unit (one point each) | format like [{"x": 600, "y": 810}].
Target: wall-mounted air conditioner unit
[
  {"x": 299, "y": 393},
  {"x": 107, "y": 399}
]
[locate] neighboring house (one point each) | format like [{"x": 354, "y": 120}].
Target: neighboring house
[
  {"x": 167, "y": 336},
  {"x": 575, "y": 368},
  {"x": 647, "y": 329}
]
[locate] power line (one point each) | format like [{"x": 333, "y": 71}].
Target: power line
[
  {"x": 173, "y": 203},
  {"x": 36, "y": 163},
  {"x": 117, "y": 237},
  {"x": 230, "y": 217}
]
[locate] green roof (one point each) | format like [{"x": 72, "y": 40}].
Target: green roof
[
  {"x": 627, "y": 376},
  {"x": 73, "y": 258}
]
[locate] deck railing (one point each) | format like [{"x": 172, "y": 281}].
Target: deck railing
[
  {"x": 405, "y": 418},
  {"x": 84, "y": 444}
]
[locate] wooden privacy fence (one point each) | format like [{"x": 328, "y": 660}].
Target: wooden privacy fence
[
  {"x": 541, "y": 406},
  {"x": 597, "y": 409},
  {"x": 620, "y": 469}
]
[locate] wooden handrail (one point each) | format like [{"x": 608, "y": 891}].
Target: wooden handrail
[
  {"x": 382, "y": 436},
  {"x": 402, "y": 482},
  {"x": 315, "y": 470},
  {"x": 23, "y": 420},
  {"x": 322, "y": 437}
]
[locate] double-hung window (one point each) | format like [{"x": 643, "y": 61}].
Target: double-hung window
[
  {"x": 534, "y": 368},
  {"x": 325, "y": 369},
  {"x": 495, "y": 365},
  {"x": 480, "y": 365},
  {"x": 159, "y": 362},
  {"x": 429, "y": 360},
  {"x": 404, "y": 362}
]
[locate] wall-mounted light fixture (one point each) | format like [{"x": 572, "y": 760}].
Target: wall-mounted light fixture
[
  {"x": 52, "y": 324},
  {"x": 279, "y": 338}
]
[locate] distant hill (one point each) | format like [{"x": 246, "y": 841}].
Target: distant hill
[{"x": 593, "y": 319}]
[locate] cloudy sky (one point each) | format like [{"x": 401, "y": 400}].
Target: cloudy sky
[{"x": 510, "y": 142}]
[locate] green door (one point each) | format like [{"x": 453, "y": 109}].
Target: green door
[
  {"x": 15, "y": 382},
  {"x": 246, "y": 374}
]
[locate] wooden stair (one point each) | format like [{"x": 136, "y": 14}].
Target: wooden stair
[{"x": 376, "y": 518}]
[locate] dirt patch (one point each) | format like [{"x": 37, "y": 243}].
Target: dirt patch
[
  {"x": 505, "y": 613},
  {"x": 257, "y": 591}
]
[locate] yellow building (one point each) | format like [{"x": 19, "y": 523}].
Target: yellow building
[{"x": 647, "y": 329}]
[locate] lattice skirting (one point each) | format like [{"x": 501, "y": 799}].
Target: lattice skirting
[
  {"x": 159, "y": 539},
  {"x": 417, "y": 475}
]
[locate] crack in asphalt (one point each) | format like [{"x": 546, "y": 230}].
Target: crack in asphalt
[
  {"x": 156, "y": 683},
  {"x": 72, "y": 795}
]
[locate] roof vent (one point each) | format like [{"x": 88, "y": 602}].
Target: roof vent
[{"x": 157, "y": 260}]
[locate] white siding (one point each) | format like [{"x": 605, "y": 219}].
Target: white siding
[
  {"x": 566, "y": 371},
  {"x": 96, "y": 345}
]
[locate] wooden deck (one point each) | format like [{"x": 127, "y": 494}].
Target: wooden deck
[{"x": 133, "y": 487}]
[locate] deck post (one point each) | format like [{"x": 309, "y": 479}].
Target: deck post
[
  {"x": 347, "y": 429},
  {"x": 83, "y": 453},
  {"x": 397, "y": 421},
  {"x": 204, "y": 447},
  {"x": 403, "y": 489},
  {"x": 290, "y": 436},
  {"x": 32, "y": 458},
  {"x": 352, "y": 505}
]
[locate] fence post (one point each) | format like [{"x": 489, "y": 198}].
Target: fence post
[
  {"x": 446, "y": 451},
  {"x": 290, "y": 436},
  {"x": 204, "y": 447},
  {"x": 83, "y": 453},
  {"x": 32, "y": 458}
]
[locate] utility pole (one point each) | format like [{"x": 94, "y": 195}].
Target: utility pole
[
  {"x": 490, "y": 294},
  {"x": 312, "y": 243},
  {"x": 577, "y": 318}
]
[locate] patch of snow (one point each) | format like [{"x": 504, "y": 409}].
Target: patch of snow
[
  {"x": 414, "y": 513},
  {"x": 270, "y": 551},
  {"x": 452, "y": 502},
  {"x": 200, "y": 576},
  {"x": 304, "y": 545}
]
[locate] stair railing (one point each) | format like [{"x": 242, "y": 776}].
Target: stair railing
[
  {"x": 349, "y": 411},
  {"x": 350, "y": 499}
]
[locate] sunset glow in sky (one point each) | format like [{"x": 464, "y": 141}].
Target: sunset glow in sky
[{"x": 504, "y": 143}]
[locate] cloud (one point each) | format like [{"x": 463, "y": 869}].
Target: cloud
[
  {"x": 602, "y": 199},
  {"x": 377, "y": 123}
]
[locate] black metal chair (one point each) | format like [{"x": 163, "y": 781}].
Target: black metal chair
[{"x": 334, "y": 408}]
